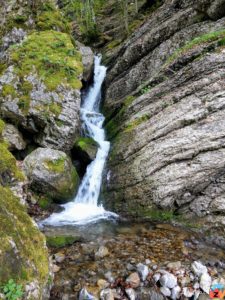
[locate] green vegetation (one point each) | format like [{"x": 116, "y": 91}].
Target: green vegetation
[
  {"x": 215, "y": 36},
  {"x": 7, "y": 90},
  {"x": 57, "y": 165},
  {"x": 61, "y": 241},
  {"x": 51, "y": 18},
  {"x": 44, "y": 202},
  {"x": 31, "y": 259},
  {"x": 8, "y": 165},
  {"x": 12, "y": 291},
  {"x": 112, "y": 126},
  {"x": 85, "y": 143},
  {"x": 132, "y": 125},
  {"x": 84, "y": 12},
  {"x": 145, "y": 90},
  {"x": 159, "y": 215},
  {"x": 52, "y": 55}
]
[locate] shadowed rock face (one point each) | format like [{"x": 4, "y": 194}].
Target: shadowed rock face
[{"x": 168, "y": 141}]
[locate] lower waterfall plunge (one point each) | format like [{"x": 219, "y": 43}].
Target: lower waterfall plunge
[{"x": 84, "y": 208}]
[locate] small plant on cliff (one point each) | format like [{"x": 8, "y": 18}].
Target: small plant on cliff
[{"x": 12, "y": 291}]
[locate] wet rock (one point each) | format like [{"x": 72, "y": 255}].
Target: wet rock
[
  {"x": 102, "y": 252},
  {"x": 198, "y": 268},
  {"x": 59, "y": 257},
  {"x": 51, "y": 171},
  {"x": 102, "y": 284},
  {"x": 188, "y": 292},
  {"x": 131, "y": 294},
  {"x": 175, "y": 293},
  {"x": 168, "y": 280},
  {"x": 174, "y": 265},
  {"x": 205, "y": 282},
  {"x": 165, "y": 291},
  {"x": 109, "y": 276},
  {"x": 156, "y": 277},
  {"x": 134, "y": 280},
  {"x": 84, "y": 295},
  {"x": 143, "y": 271},
  {"x": 13, "y": 137},
  {"x": 87, "y": 60},
  {"x": 107, "y": 294},
  {"x": 85, "y": 149},
  {"x": 55, "y": 268}
]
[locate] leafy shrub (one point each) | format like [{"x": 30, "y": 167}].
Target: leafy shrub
[{"x": 12, "y": 291}]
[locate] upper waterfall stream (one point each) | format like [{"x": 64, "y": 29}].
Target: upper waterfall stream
[{"x": 84, "y": 208}]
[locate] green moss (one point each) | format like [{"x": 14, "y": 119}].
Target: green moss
[
  {"x": 132, "y": 125},
  {"x": 57, "y": 165},
  {"x": 30, "y": 260},
  {"x": 203, "y": 39},
  {"x": 8, "y": 90},
  {"x": 24, "y": 104},
  {"x": 61, "y": 241},
  {"x": 44, "y": 202},
  {"x": 113, "y": 44},
  {"x": 112, "y": 127},
  {"x": 8, "y": 164},
  {"x": 52, "y": 19},
  {"x": 52, "y": 55},
  {"x": 55, "y": 108},
  {"x": 2, "y": 126},
  {"x": 85, "y": 143}
]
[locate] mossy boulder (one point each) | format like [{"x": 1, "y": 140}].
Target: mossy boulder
[
  {"x": 51, "y": 172},
  {"x": 85, "y": 149},
  {"x": 40, "y": 88},
  {"x": 23, "y": 252},
  {"x": 13, "y": 138}
]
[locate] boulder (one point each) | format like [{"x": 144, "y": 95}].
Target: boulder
[
  {"x": 87, "y": 60},
  {"x": 85, "y": 149},
  {"x": 42, "y": 94},
  {"x": 13, "y": 138},
  {"x": 51, "y": 171},
  {"x": 23, "y": 251}
]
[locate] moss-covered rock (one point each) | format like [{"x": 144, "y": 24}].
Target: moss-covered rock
[
  {"x": 61, "y": 241},
  {"x": 23, "y": 254},
  {"x": 39, "y": 88},
  {"x": 51, "y": 172},
  {"x": 86, "y": 148}
]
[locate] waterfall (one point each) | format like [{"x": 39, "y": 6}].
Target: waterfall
[{"x": 84, "y": 208}]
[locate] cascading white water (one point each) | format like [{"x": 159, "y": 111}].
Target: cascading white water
[{"x": 84, "y": 208}]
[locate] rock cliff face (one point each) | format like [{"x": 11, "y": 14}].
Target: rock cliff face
[{"x": 165, "y": 107}]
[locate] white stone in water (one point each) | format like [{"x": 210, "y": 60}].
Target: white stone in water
[
  {"x": 147, "y": 261},
  {"x": 156, "y": 277},
  {"x": 175, "y": 293},
  {"x": 109, "y": 276},
  {"x": 131, "y": 294},
  {"x": 168, "y": 280},
  {"x": 196, "y": 285},
  {"x": 84, "y": 295},
  {"x": 165, "y": 291},
  {"x": 106, "y": 294},
  {"x": 188, "y": 292},
  {"x": 205, "y": 282},
  {"x": 102, "y": 252},
  {"x": 143, "y": 271},
  {"x": 198, "y": 268},
  {"x": 196, "y": 295}
]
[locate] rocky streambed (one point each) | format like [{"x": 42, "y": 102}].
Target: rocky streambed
[{"x": 134, "y": 261}]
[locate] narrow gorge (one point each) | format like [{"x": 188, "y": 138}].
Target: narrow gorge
[{"x": 112, "y": 149}]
